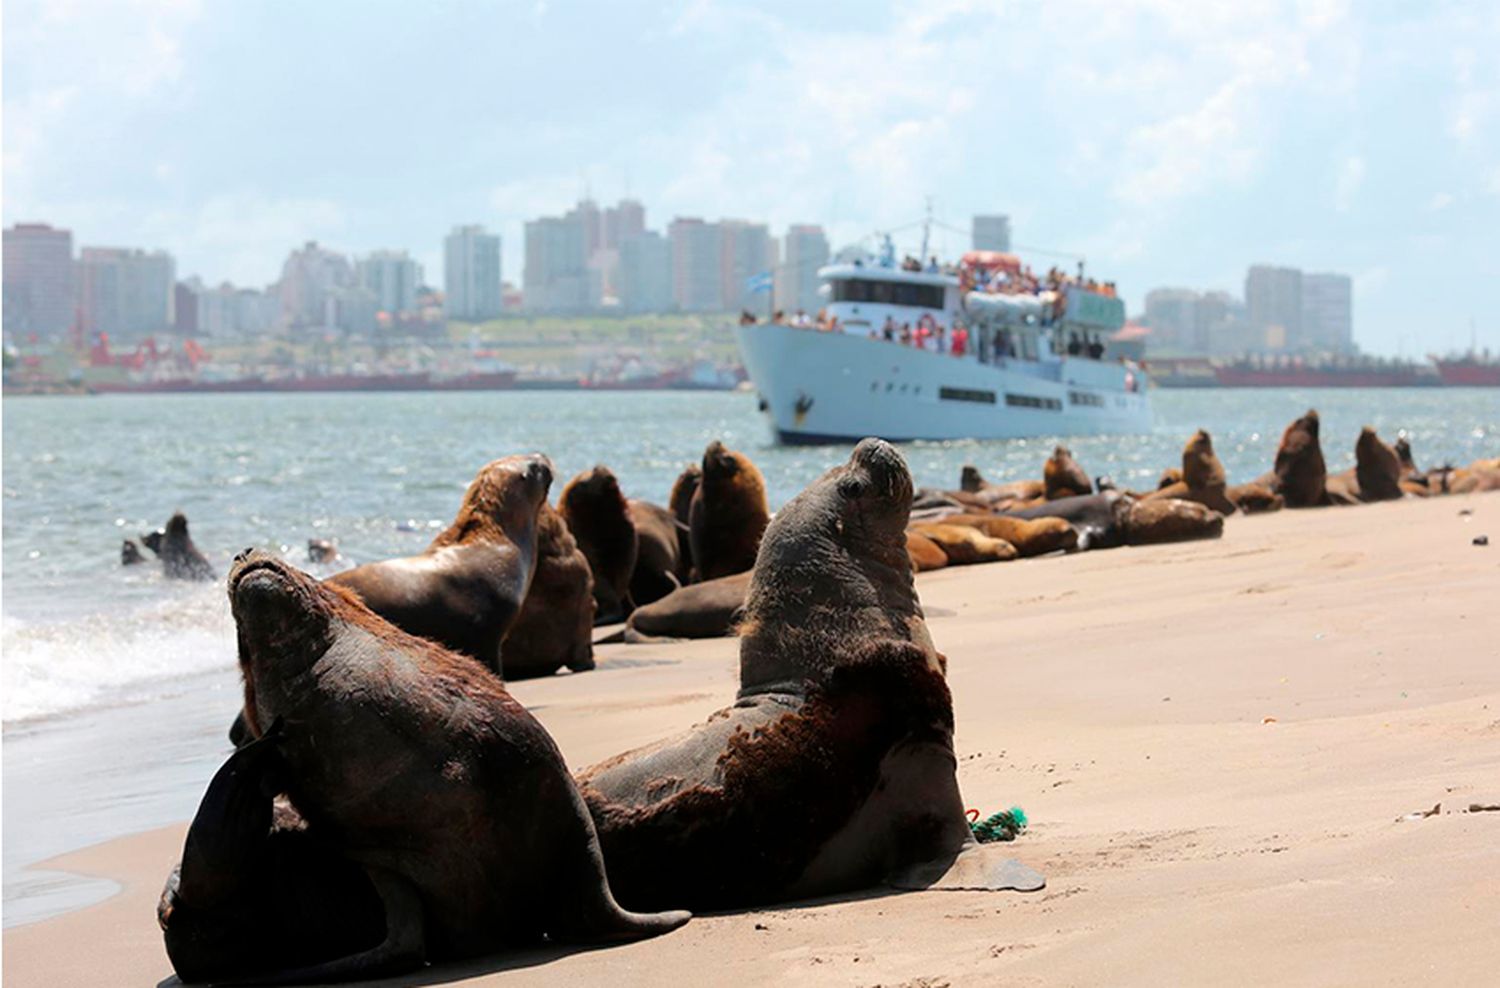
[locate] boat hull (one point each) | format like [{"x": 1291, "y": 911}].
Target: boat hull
[{"x": 821, "y": 388}]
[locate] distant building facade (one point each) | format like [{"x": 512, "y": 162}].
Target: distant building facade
[
  {"x": 224, "y": 310},
  {"x": 471, "y": 274},
  {"x": 126, "y": 292},
  {"x": 556, "y": 275},
  {"x": 39, "y": 280},
  {"x": 805, "y": 250},
  {"x": 392, "y": 277},
  {"x": 697, "y": 265},
  {"x": 991, "y": 233},
  {"x": 1273, "y": 302},
  {"x": 1327, "y": 312},
  {"x": 645, "y": 273},
  {"x": 746, "y": 250},
  {"x": 1172, "y": 314},
  {"x": 312, "y": 278}
]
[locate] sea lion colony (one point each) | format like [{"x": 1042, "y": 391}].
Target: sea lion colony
[{"x": 390, "y": 804}]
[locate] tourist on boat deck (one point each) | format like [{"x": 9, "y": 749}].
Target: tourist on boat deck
[
  {"x": 746, "y": 318},
  {"x": 1096, "y": 348},
  {"x": 906, "y": 334},
  {"x": 1075, "y": 347},
  {"x": 889, "y": 329},
  {"x": 960, "y": 339}
]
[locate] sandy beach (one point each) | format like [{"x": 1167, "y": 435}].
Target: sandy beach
[{"x": 1219, "y": 745}]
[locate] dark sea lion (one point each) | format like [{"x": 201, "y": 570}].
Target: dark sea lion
[
  {"x": 599, "y": 517},
  {"x": 419, "y": 766},
  {"x": 1063, "y": 477},
  {"x": 835, "y": 769},
  {"x": 323, "y": 551},
  {"x": 660, "y": 566},
  {"x": 466, "y": 588},
  {"x": 925, "y": 554},
  {"x": 180, "y": 558},
  {"x": 965, "y": 545},
  {"x": 1030, "y": 536},
  {"x": 1254, "y": 498},
  {"x": 709, "y": 609},
  {"x": 1157, "y": 520},
  {"x": 258, "y": 895},
  {"x": 1202, "y": 477},
  {"x": 929, "y": 504},
  {"x": 1097, "y": 518},
  {"x": 729, "y": 513},
  {"x": 556, "y": 625},
  {"x": 683, "y": 489},
  {"x": 1301, "y": 475},
  {"x": 130, "y": 553},
  {"x": 1377, "y": 468}
]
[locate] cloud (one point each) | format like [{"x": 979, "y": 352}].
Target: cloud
[
  {"x": 248, "y": 234},
  {"x": 1346, "y": 186},
  {"x": 1440, "y": 201}
]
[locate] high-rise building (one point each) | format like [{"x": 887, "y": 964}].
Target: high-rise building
[
  {"x": 621, "y": 222},
  {"x": 126, "y": 292},
  {"x": 224, "y": 310},
  {"x": 645, "y": 274},
  {"x": 797, "y": 283},
  {"x": 471, "y": 274},
  {"x": 746, "y": 251},
  {"x": 392, "y": 277},
  {"x": 991, "y": 233},
  {"x": 1273, "y": 301},
  {"x": 556, "y": 276},
  {"x": 697, "y": 265},
  {"x": 311, "y": 278},
  {"x": 1172, "y": 314},
  {"x": 1327, "y": 316},
  {"x": 39, "y": 288}
]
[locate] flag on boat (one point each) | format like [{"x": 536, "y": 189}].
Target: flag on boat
[{"x": 758, "y": 283}]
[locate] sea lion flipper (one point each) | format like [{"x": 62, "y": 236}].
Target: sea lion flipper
[{"x": 975, "y": 868}]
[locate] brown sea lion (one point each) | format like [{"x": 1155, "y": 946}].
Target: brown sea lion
[
  {"x": 965, "y": 545},
  {"x": 1202, "y": 477},
  {"x": 683, "y": 489},
  {"x": 1254, "y": 498},
  {"x": 130, "y": 553},
  {"x": 1170, "y": 520},
  {"x": 258, "y": 895},
  {"x": 1301, "y": 475},
  {"x": 1031, "y": 537},
  {"x": 971, "y": 481},
  {"x": 466, "y": 588},
  {"x": 1377, "y": 468},
  {"x": 729, "y": 514},
  {"x": 599, "y": 517},
  {"x": 323, "y": 551},
  {"x": 556, "y": 624},
  {"x": 1063, "y": 477},
  {"x": 420, "y": 767},
  {"x": 1474, "y": 479},
  {"x": 1169, "y": 476},
  {"x": 660, "y": 566},
  {"x": 835, "y": 769},
  {"x": 180, "y": 558},
  {"x": 709, "y": 609},
  {"x": 1097, "y": 518},
  {"x": 925, "y": 554}
]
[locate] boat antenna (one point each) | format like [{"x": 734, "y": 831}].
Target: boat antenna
[{"x": 926, "y": 230}]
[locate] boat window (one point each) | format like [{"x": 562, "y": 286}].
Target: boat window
[
  {"x": 1084, "y": 398},
  {"x": 888, "y": 293},
  {"x": 967, "y": 394},
  {"x": 1031, "y": 401}
]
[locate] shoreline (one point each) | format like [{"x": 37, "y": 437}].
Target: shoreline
[{"x": 1218, "y": 743}]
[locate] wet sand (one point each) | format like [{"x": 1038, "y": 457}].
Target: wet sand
[{"x": 1218, "y": 744}]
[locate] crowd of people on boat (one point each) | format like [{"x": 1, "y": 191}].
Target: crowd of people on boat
[
  {"x": 927, "y": 333},
  {"x": 1023, "y": 281}
]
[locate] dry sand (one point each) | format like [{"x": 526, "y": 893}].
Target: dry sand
[{"x": 1121, "y": 698}]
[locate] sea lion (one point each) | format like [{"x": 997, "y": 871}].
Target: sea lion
[
  {"x": 419, "y": 765},
  {"x": 1169, "y": 476},
  {"x": 1377, "y": 468},
  {"x": 130, "y": 553},
  {"x": 683, "y": 489},
  {"x": 556, "y": 624},
  {"x": 965, "y": 545},
  {"x": 835, "y": 769},
  {"x": 926, "y": 555},
  {"x": 323, "y": 551},
  {"x": 971, "y": 481},
  {"x": 599, "y": 517},
  {"x": 709, "y": 609},
  {"x": 466, "y": 588},
  {"x": 1254, "y": 498},
  {"x": 180, "y": 558},
  {"x": 1031, "y": 537},
  {"x": 1063, "y": 477},
  {"x": 1097, "y": 518},
  {"x": 258, "y": 894},
  {"x": 1202, "y": 477},
  {"x": 728, "y": 515},
  {"x": 659, "y": 564},
  {"x": 1475, "y": 478},
  {"x": 1155, "y": 520},
  {"x": 1301, "y": 476}
]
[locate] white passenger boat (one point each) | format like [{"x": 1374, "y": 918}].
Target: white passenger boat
[{"x": 979, "y": 351}]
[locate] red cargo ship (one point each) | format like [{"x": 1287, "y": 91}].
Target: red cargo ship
[
  {"x": 1469, "y": 371},
  {"x": 1353, "y": 374}
]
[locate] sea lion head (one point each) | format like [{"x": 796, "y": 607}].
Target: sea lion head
[
  {"x": 1301, "y": 475},
  {"x": 502, "y": 501},
  {"x": 970, "y": 479},
  {"x": 1063, "y": 477},
  {"x": 1403, "y": 453},
  {"x": 833, "y": 575},
  {"x": 599, "y": 485},
  {"x": 1377, "y": 467},
  {"x": 177, "y": 526},
  {"x": 153, "y": 540},
  {"x": 683, "y": 489},
  {"x": 1200, "y": 466}
]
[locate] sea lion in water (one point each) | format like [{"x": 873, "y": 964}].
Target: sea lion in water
[
  {"x": 834, "y": 770},
  {"x": 421, "y": 767},
  {"x": 1063, "y": 477},
  {"x": 709, "y": 609},
  {"x": 466, "y": 588},
  {"x": 729, "y": 513},
  {"x": 1301, "y": 476},
  {"x": 130, "y": 553},
  {"x": 965, "y": 545},
  {"x": 660, "y": 566},
  {"x": 258, "y": 894},
  {"x": 180, "y": 558},
  {"x": 599, "y": 517},
  {"x": 1202, "y": 477},
  {"x": 323, "y": 551},
  {"x": 556, "y": 625}
]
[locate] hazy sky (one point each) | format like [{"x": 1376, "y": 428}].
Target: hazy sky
[{"x": 1173, "y": 142}]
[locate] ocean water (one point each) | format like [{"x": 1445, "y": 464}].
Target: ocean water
[{"x": 120, "y": 676}]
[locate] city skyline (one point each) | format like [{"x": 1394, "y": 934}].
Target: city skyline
[{"x": 1170, "y": 144}]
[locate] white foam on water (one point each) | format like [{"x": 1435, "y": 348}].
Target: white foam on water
[{"x": 124, "y": 656}]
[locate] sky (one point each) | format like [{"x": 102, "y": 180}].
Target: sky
[{"x": 1170, "y": 142}]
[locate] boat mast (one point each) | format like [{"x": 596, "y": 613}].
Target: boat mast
[{"x": 926, "y": 231}]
